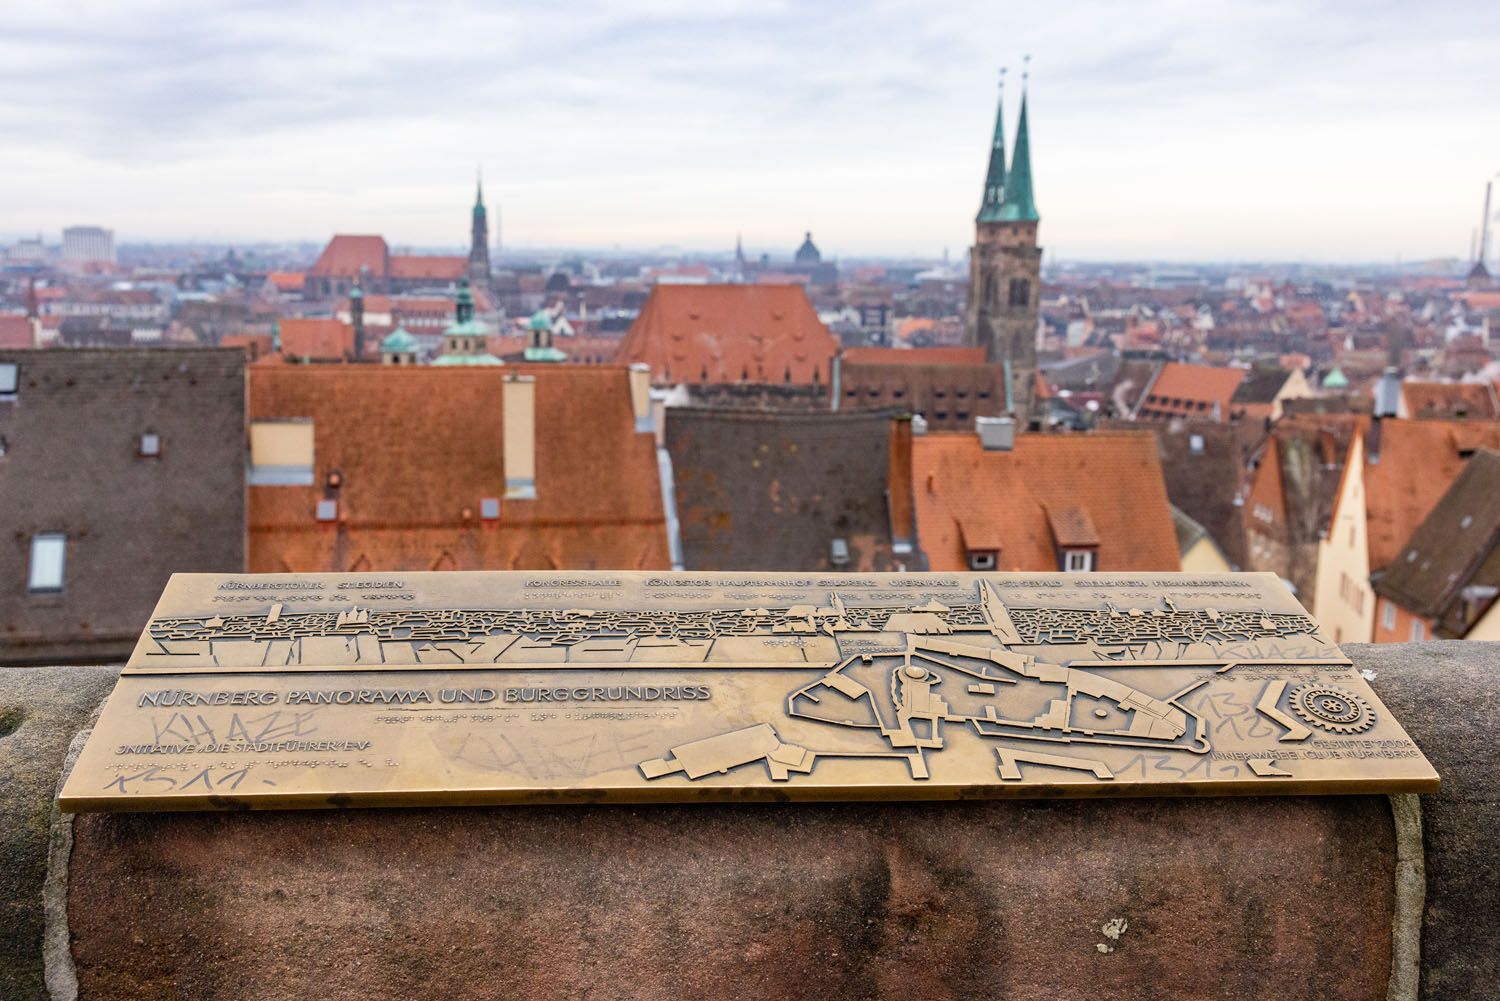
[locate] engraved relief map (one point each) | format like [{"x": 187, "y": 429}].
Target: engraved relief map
[{"x": 349, "y": 690}]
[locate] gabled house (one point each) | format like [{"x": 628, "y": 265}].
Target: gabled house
[
  {"x": 1294, "y": 481},
  {"x": 993, "y": 500},
  {"x": 1394, "y": 474},
  {"x": 1449, "y": 401},
  {"x": 1262, "y": 394},
  {"x": 1203, "y": 392},
  {"x": 730, "y": 334},
  {"x": 1444, "y": 581},
  {"x": 949, "y": 387}
]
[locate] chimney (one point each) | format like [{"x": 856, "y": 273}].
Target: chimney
[
  {"x": 996, "y": 434},
  {"x": 640, "y": 396},
  {"x": 1388, "y": 393},
  {"x": 519, "y": 403},
  {"x": 899, "y": 501}
]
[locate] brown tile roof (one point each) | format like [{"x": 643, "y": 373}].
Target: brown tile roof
[
  {"x": 320, "y": 340},
  {"x": 730, "y": 333},
  {"x": 15, "y": 331},
  {"x": 72, "y": 465},
  {"x": 1261, "y": 384},
  {"x": 914, "y": 356},
  {"x": 1452, "y": 548},
  {"x": 346, "y": 255},
  {"x": 948, "y": 396},
  {"x": 1204, "y": 481},
  {"x": 1442, "y": 400},
  {"x": 1191, "y": 391},
  {"x": 432, "y": 267},
  {"x": 1417, "y": 462},
  {"x": 1003, "y": 500},
  {"x": 760, "y": 490},
  {"x": 420, "y": 448}
]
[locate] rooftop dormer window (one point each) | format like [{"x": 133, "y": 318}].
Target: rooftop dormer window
[
  {"x": 1077, "y": 560},
  {"x": 983, "y": 559}
]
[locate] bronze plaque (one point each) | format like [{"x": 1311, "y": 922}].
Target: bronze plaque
[{"x": 260, "y": 691}]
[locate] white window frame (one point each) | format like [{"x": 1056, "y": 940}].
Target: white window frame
[
  {"x": 154, "y": 451},
  {"x": 1078, "y": 561},
  {"x": 47, "y": 548},
  {"x": 1418, "y": 631},
  {"x": 982, "y": 559},
  {"x": 10, "y": 380},
  {"x": 1388, "y": 615}
]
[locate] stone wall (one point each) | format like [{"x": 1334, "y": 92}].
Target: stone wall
[{"x": 1296, "y": 897}]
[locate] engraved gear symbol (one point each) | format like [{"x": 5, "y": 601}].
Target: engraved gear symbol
[{"x": 1332, "y": 709}]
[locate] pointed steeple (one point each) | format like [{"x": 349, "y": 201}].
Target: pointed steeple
[
  {"x": 479, "y": 237},
  {"x": 1020, "y": 201},
  {"x": 994, "y": 177}
]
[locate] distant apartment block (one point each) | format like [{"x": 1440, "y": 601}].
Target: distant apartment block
[
  {"x": 88, "y": 244},
  {"x": 117, "y": 469}
]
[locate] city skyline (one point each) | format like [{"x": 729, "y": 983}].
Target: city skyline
[{"x": 1215, "y": 132}]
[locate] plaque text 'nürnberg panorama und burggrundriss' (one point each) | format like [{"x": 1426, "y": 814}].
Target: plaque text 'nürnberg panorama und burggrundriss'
[{"x": 359, "y": 690}]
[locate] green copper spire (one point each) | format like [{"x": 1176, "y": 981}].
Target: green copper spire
[
  {"x": 1020, "y": 201},
  {"x": 994, "y": 178}
]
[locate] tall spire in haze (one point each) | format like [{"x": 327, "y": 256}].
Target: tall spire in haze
[
  {"x": 1020, "y": 200},
  {"x": 994, "y": 178},
  {"x": 479, "y": 237}
]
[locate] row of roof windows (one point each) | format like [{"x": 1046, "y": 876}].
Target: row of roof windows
[
  {"x": 941, "y": 394},
  {"x": 1071, "y": 561},
  {"x": 327, "y": 509}
]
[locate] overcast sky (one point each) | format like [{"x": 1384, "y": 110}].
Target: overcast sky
[{"x": 1161, "y": 129}]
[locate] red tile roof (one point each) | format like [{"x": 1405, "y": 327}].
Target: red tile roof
[
  {"x": 346, "y": 255},
  {"x": 420, "y": 448},
  {"x": 1104, "y": 485},
  {"x": 16, "y": 332},
  {"x": 443, "y": 269},
  {"x": 1191, "y": 391},
  {"x": 915, "y": 356},
  {"x": 1418, "y": 461},
  {"x": 729, "y": 333},
  {"x": 287, "y": 281},
  {"x": 320, "y": 340},
  {"x": 1440, "y": 400}
]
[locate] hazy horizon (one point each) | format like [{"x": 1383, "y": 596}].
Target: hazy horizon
[{"x": 1164, "y": 132}]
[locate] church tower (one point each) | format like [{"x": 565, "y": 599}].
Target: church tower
[
  {"x": 1005, "y": 265},
  {"x": 479, "y": 240}
]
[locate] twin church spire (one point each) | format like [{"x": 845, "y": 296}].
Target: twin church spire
[{"x": 1008, "y": 194}]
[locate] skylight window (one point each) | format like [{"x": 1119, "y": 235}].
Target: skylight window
[{"x": 48, "y": 553}]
